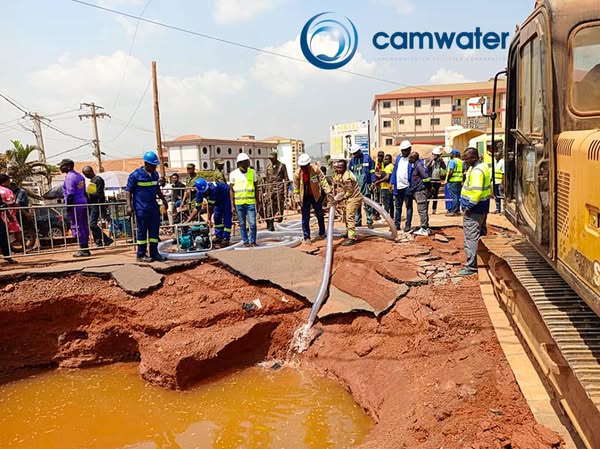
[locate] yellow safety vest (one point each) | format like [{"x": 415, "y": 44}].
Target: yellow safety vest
[
  {"x": 457, "y": 173},
  {"x": 243, "y": 189},
  {"x": 498, "y": 173},
  {"x": 477, "y": 186}
]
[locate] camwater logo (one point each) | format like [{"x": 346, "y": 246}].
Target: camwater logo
[
  {"x": 466, "y": 40},
  {"x": 331, "y": 27},
  {"x": 329, "y": 41}
]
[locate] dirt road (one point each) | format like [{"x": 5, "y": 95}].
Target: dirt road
[{"x": 430, "y": 372}]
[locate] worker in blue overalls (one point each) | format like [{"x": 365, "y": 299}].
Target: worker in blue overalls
[
  {"x": 219, "y": 203},
  {"x": 142, "y": 190}
]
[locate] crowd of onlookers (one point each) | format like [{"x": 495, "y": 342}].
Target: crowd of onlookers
[{"x": 398, "y": 185}]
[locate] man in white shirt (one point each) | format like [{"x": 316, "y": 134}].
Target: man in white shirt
[
  {"x": 244, "y": 198},
  {"x": 400, "y": 181}
]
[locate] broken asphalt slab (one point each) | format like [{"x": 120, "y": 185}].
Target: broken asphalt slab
[
  {"x": 301, "y": 274},
  {"x": 131, "y": 276},
  {"x": 136, "y": 280}
]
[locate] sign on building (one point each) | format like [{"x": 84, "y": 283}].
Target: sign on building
[
  {"x": 474, "y": 107},
  {"x": 477, "y": 123},
  {"x": 343, "y": 135}
]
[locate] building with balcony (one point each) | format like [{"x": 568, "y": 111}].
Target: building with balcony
[
  {"x": 203, "y": 151},
  {"x": 421, "y": 114}
]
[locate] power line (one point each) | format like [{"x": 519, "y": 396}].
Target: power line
[
  {"x": 13, "y": 103},
  {"x": 62, "y": 113},
  {"x": 69, "y": 150},
  {"x": 129, "y": 55},
  {"x": 141, "y": 128},
  {"x": 133, "y": 114},
  {"x": 58, "y": 130},
  {"x": 28, "y": 114},
  {"x": 11, "y": 121},
  {"x": 237, "y": 44}
]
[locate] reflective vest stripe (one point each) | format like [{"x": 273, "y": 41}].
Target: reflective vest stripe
[
  {"x": 227, "y": 229},
  {"x": 498, "y": 176},
  {"x": 477, "y": 187},
  {"x": 243, "y": 189},
  {"x": 457, "y": 172},
  {"x": 151, "y": 240},
  {"x": 147, "y": 183}
]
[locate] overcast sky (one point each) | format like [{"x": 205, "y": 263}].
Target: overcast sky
[{"x": 57, "y": 54}]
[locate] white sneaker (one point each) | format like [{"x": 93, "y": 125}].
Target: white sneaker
[{"x": 421, "y": 231}]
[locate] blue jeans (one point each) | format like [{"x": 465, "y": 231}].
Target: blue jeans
[
  {"x": 247, "y": 212},
  {"x": 401, "y": 197},
  {"x": 454, "y": 189},
  {"x": 309, "y": 202},
  {"x": 498, "y": 197}
]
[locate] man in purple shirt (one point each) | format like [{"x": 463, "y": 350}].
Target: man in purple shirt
[{"x": 76, "y": 201}]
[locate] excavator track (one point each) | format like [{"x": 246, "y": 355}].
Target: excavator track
[{"x": 560, "y": 330}]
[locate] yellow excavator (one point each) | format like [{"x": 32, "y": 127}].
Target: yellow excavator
[{"x": 549, "y": 278}]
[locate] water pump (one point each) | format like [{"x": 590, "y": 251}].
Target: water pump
[{"x": 195, "y": 238}]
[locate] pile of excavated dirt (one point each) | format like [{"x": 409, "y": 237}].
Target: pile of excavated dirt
[{"x": 430, "y": 372}]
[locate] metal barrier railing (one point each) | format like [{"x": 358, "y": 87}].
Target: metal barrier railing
[
  {"x": 56, "y": 228},
  {"x": 275, "y": 202}
]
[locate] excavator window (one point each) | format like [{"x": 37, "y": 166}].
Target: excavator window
[{"x": 585, "y": 75}]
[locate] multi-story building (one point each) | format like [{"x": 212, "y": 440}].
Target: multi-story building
[
  {"x": 289, "y": 150},
  {"x": 422, "y": 113},
  {"x": 203, "y": 151}
]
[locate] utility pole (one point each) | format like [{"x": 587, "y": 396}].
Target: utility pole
[
  {"x": 94, "y": 115},
  {"x": 159, "y": 147},
  {"x": 37, "y": 130}
]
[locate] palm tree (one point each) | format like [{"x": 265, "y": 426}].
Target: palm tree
[{"x": 14, "y": 163}]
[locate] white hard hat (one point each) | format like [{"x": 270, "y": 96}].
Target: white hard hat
[
  {"x": 437, "y": 151},
  {"x": 303, "y": 159},
  {"x": 405, "y": 144},
  {"x": 242, "y": 157},
  {"x": 355, "y": 147}
]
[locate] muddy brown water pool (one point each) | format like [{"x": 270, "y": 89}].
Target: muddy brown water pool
[{"x": 112, "y": 407}]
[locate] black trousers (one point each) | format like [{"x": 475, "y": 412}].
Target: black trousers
[{"x": 4, "y": 242}]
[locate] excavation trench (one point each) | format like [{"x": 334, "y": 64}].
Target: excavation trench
[{"x": 429, "y": 372}]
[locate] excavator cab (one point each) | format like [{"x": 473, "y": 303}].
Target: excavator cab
[{"x": 552, "y": 139}]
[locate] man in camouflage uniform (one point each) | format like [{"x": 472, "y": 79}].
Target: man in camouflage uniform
[
  {"x": 347, "y": 195},
  {"x": 218, "y": 171},
  {"x": 188, "y": 200},
  {"x": 277, "y": 182}
]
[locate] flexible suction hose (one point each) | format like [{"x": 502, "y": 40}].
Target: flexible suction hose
[
  {"x": 323, "y": 289},
  {"x": 290, "y": 234}
]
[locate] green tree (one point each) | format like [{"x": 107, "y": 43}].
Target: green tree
[{"x": 14, "y": 163}]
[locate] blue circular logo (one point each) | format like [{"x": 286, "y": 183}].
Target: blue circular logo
[{"x": 340, "y": 29}]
